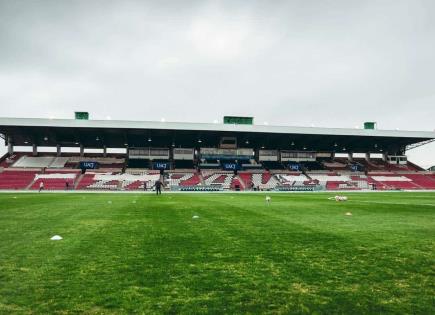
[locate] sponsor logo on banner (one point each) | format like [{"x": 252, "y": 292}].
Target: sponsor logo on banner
[{"x": 88, "y": 165}]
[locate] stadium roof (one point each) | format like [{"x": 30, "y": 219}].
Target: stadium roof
[{"x": 117, "y": 133}]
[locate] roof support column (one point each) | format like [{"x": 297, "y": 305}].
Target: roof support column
[
  {"x": 58, "y": 150},
  {"x": 350, "y": 156},
  {"x": 385, "y": 156},
  {"x": 10, "y": 146},
  {"x": 82, "y": 150},
  {"x": 367, "y": 156},
  {"x": 34, "y": 149},
  {"x": 104, "y": 151}
]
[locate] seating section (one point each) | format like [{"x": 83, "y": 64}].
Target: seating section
[
  {"x": 25, "y": 160},
  {"x": 335, "y": 165},
  {"x": 92, "y": 181},
  {"x": 23, "y": 171},
  {"x": 258, "y": 180},
  {"x": 8, "y": 160},
  {"x": 183, "y": 179},
  {"x": 55, "y": 181},
  {"x": 218, "y": 178},
  {"x": 34, "y": 161},
  {"x": 110, "y": 162},
  {"x": 329, "y": 181},
  {"x": 108, "y": 181},
  {"x": 16, "y": 179},
  {"x": 236, "y": 184},
  {"x": 59, "y": 162},
  {"x": 391, "y": 182},
  {"x": 422, "y": 181},
  {"x": 376, "y": 164},
  {"x": 86, "y": 181},
  {"x": 312, "y": 166},
  {"x": 246, "y": 178},
  {"x": 293, "y": 180}
]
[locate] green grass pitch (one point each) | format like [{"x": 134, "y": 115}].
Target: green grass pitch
[{"x": 140, "y": 253}]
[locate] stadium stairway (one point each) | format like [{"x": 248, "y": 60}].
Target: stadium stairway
[
  {"x": 79, "y": 178},
  {"x": 30, "y": 184},
  {"x": 239, "y": 181},
  {"x": 201, "y": 178}
]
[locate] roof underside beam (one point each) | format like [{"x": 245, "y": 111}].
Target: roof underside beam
[{"x": 117, "y": 138}]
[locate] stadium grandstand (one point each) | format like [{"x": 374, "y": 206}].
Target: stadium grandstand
[{"x": 234, "y": 155}]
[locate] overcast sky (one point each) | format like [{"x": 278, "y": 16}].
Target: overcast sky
[{"x": 321, "y": 63}]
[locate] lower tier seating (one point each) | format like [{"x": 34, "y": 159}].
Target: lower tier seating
[
  {"x": 218, "y": 178},
  {"x": 424, "y": 181},
  {"x": 138, "y": 179},
  {"x": 183, "y": 179},
  {"x": 55, "y": 181},
  {"x": 11, "y": 179}
]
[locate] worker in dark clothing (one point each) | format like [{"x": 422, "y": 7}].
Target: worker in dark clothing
[
  {"x": 145, "y": 186},
  {"x": 158, "y": 185}
]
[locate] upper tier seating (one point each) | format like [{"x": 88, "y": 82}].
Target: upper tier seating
[
  {"x": 414, "y": 167},
  {"x": 35, "y": 161},
  {"x": 376, "y": 164},
  {"x": 8, "y": 160},
  {"x": 369, "y": 165},
  {"x": 409, "y": 167},
  {"x": 110, "y": 162},
  {"x": 51, "y": 161},
  {"x": 335, "y": 165},
  {"x": 58, "y": 162}
]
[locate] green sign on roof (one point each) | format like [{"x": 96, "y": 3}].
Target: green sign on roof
[
  {"x": 82, "y": 115},
  {"x": 369, "y": 125},
  {"x": 235, "y": 120}
]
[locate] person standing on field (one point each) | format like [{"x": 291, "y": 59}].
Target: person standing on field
[
  {"x": 158, "y": 186},
  {"x": 41, "y": 186}
]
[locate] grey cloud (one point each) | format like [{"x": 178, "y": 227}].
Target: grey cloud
[{"x": 327, "y": 63}]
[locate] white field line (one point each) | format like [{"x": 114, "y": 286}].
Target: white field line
[{"x": 395, "y": 203}]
